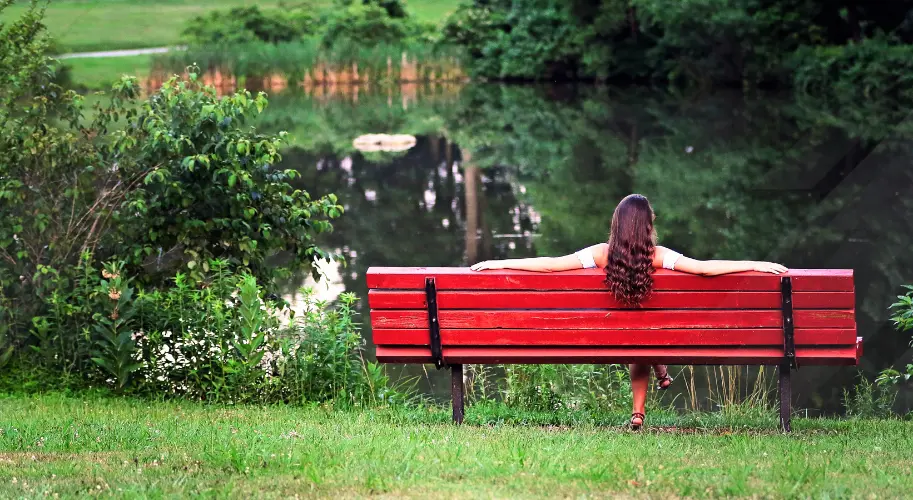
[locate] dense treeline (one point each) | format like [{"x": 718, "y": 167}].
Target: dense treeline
[{"x": 732, "y": 42}]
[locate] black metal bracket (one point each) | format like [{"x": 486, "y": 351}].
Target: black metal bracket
[
  {"x": 434, "y": 327},
  {"x": 789, "y": 338}
]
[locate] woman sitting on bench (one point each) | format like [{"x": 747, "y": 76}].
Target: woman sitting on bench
[{"x": 629, "y": 258}]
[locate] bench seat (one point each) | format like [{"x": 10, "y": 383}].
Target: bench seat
[{"x": 806, "y": 317}]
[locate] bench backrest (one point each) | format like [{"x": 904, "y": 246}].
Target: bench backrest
[{"x": 570, "y": 317}]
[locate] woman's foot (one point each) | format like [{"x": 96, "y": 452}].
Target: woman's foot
[
  {"x": 663, "y": 380},
  {"x": 637, "y": 421}
]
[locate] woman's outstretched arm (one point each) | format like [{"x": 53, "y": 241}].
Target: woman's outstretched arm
[
  {"x": 538, "y": 264},
  {"x": 717, "y": 267},
  {"x": 549, "y": 264}
]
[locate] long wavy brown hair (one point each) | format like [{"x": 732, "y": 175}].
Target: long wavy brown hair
[{"x": 632, "y": 241}]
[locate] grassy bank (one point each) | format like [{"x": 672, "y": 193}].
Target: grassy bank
[
  {"x": 75, "y": 446},
  {"x": 98, "y": 73},
  {"x": 93, "y": 25}
]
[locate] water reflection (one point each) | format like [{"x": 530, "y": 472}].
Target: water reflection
[{"x": 503, "y": 172}]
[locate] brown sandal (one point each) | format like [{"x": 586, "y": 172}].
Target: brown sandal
[{"x": 637, "y": 416}]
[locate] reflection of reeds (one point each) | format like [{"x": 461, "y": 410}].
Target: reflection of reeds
[{"x": 306, "y": 64}]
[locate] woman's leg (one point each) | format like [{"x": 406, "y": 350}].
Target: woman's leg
[
  {"x": 662, "y": 376},
  {"x": 640, "y": 380}
]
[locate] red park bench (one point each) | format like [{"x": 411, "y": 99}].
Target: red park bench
[{"x": 454, "y": 316}]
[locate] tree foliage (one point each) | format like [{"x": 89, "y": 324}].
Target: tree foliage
[
  {"x": 359, "y": 22},
  {"x": 739, "y": 42},
  {"x": 250, "y": 24}
]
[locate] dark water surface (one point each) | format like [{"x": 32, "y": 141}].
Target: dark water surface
[{"x": 501, "y": 172}]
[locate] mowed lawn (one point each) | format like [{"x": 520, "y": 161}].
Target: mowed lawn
[
  {"x": 73, "y": 447},
  {"x": 95, "y": 25}
]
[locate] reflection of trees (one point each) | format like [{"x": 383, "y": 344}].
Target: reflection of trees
[
  {"x": 410, "y": 210},
  {"x": 329, "y": 126}
]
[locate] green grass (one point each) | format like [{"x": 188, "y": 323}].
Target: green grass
[
  {"x": 99, "y": 73},
  {"x": 78, "y": 446},
  {"x": 94, "y": 25}
]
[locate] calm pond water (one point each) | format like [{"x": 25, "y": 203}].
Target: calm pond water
[{"x": 517, "y": 171}]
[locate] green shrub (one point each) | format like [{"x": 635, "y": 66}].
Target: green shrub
[
  {"x": 180, "y": 195},
  {"x": 217, "y": 339},
  {"x": 903, "y": 311},
  {"x": 868, "y": 400},
  {"x": 903, "y": 322},
  {"x": 163, "y": 183},
  {"x": 368, "y": 23},
  {"x": 250, "y": 24}
]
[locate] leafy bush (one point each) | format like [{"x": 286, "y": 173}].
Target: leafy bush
[
  {"x": 903, "y": 322},
  {"x": 250, "y": 24},
  {"x": 368, "y": 23},
  {"x": 868, "y": 400},
  {"x": 215, "y": 340},
  {"x": 179, "y": 194},
  {"x": 160, "y": 184},
  {"x": 891, "y": 376},
  {"x": 183, "y": 181},
  {"x": 903, "y": 315}
]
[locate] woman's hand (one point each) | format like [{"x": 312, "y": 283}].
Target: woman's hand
[
  {"x": 770, "y": 267},
  {"x": 488, "y": 264}
]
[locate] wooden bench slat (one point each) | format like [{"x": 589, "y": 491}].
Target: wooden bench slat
[
  {"x": 833, "y": 280},
  {"x": 826, "y": 355},
  {"x": 697, "y": 337},
  {"x": 602, "y": 299},
  {"x": 621, "y": 319}
]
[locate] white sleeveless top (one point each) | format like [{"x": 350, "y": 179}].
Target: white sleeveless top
[{"x": 586, "y": 259}]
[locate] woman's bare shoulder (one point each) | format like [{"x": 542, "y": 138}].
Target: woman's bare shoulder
[
  {"x": 600, "y": 253},
  {"x": 658, "y": 254}
]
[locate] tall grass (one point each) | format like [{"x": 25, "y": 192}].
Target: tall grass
[
  {"x": 731, "y": 389},
  {"x": 308, "y": 63},
  {"x": 549, "y": 388}
]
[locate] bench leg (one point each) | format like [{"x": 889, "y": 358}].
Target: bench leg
[
  {"x": 785, "y": 389},
  {"x": 456, "y": 390}
]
